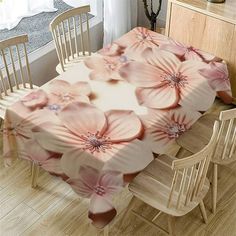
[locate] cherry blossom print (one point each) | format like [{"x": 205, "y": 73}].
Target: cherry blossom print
[
  {"x": 165, "y": 81},
  {"x": 112, "y": 50},
  {"x": 109, "y": 137},
  {"x": 187, "y": 52},
  {"x": 138, "y": 39},
  {"x": 100, "y": 188},
  {"x": 105, "y": 68},
  {"x": 217, "y": 75},
  {"x": 19, "y": 125},
  {"x": 36, "y": 99},
  {"x": 62, "y": 93},
  {"x": 47, "y": 160},
  {"x": 162, "y": 128}
]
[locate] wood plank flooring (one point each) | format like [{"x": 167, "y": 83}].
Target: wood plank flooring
[{"x": 53, "y": 209}]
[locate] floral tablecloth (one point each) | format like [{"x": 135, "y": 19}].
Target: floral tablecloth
[{"x": 97, "y": 125}]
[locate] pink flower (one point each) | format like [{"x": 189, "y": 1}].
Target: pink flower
[
  {"x": 112, "y": 50},
  {"x": 187, "y": 52},
  {"x": 20, "y": 125},
  {"x": 110, "y": 137},
  {"x": 62, "y": 93},
  {"x": 163, "y": 127},
  {"x": 164, "y": 81},
  {"x": 137, "y": 40},
  {"x": 36, "y": 99},
  {"x": 105, "y": 68},
  {"x": 217, "y": 75},
  {"x": 47, "y": 160},
  {"x": 99, "y": 187}
]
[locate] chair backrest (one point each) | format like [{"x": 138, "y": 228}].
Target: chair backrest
[
  {"x": 190, "y": 174},
  {"x": 226, "y": 140},
  {"x": 13, "y": 55},
  {"x": 66, "y": 29}
]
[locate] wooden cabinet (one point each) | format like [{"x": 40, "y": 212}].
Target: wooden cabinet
[{"x": 207, "y": 26}]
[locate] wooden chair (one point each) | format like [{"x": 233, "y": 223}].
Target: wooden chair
[
  {"x": 225, "y": 149},
  {"x": 13, "y": 84},
  {"x": 175, "y": 186},
  {"x": 65, "y": 30}
]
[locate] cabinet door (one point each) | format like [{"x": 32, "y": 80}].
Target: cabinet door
[{"x": 201, "y": 31}]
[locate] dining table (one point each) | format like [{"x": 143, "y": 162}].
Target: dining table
[{"x": 97, "y": 125}]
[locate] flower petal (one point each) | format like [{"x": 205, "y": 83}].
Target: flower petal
[
  {"x": 81, "y": 118},
  {"x": 82, "y": 88},
  {"x": 73, "y": 162},
  {"x": 100, "y": 204},
  {"x": 53, "y": 165},
  {"x": 141, "y": 75},
  {"x": 159, "y": 97},
  {"x": 122, "y": 125},
  {"x": 55, "y": 137},
  {"x": 196, "y": 94},
  {"x": 127, "y": 157},
  {"x": 112, "y": 181}
]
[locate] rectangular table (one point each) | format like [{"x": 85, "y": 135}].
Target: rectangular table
[{"x": 97, "y": 125}]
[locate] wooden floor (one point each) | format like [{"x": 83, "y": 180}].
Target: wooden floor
[{"x": 53, "y": 209}]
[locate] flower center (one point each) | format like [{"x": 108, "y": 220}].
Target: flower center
[
  {"x": 66, "y": 97},
  {"x": 110, "y": 65},
  {"x": 175, "y": 80},
  {"x": 54, "y": 107},
  {"x": 95, "y": 142},
  {"x": 175, "y": 130},
  {"x": 142, "y": 36},
  {"x": 99, "y": 190}
]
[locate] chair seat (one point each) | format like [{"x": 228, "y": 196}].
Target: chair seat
[
  {"x": 153, "y": 186},
  {"x": 198, "y": 136},
  {"x": 13, "y": 97},
  {"x": 72, "y": 62}
]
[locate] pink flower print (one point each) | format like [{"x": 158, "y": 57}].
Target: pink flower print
[
  {"x": 163, "y": 127},
  {"x": 47, "y": 160},
  {"x": 20, "y": 125},
  {"x": 138, "y": 39},
  {"x": 164, "y": 81},
  {"x": 187, "y": 52},
  {"x": 99, "y": 187},
  {"x": 105, "y": 68},
  {"x": 62, "y": 93},
  {"x": 110, "y": 137},
  {"x": 35, "y": 99},
  {"x": 112, "y": 50},
  {"x": 217, "y": 75}
]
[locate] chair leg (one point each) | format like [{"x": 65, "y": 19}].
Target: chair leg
[
  {"x": 171, "y": 225},
  {"x": 203, "y": 211},
  {"x": 35, "y": 172},
  {"x": 214, "y": 187}
]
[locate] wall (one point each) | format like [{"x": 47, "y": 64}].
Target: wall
[
  {"x": 44, "y": 60},
  {"x": 142, "y": 19}
]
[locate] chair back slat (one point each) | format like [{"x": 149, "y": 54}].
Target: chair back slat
[
  {"x": 88, "y": 35},
  {"x": 226, "y": 142},
  {"x": 76, "y": 37},
  {"x": 21, "y": 68},
  {"x": 66, "y": 39},
  {"x": 13, "y": 52},
  {"x": 27, "y": 66},
  {"x": 14, "y": 68},
  {"x": 70, "y": 41},
  {"x": 190, "y": 175},
  {"x": 7, "y": 70},
  {"x": 3, "y": 87}
]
